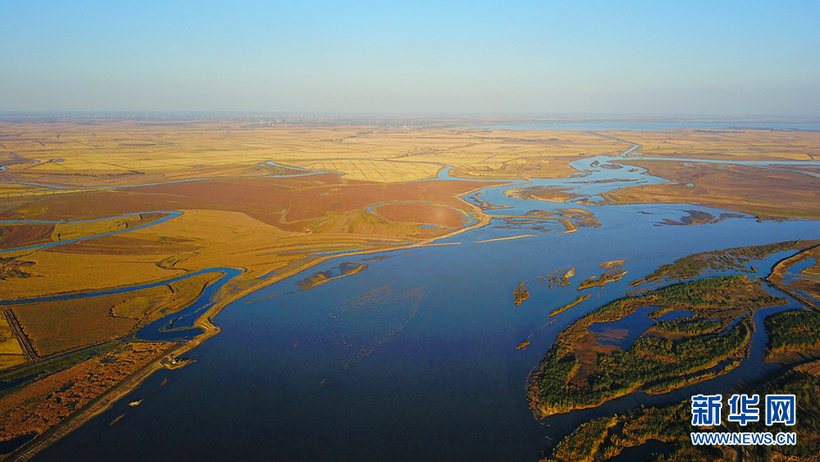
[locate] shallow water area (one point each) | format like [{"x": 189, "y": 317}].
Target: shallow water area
[{"x": 625, "y": 331}]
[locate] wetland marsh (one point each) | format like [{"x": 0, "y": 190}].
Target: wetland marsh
[{"x": 426, "y": 351}]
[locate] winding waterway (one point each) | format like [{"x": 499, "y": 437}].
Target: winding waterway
[
  {"x": 168, "y": 216},
  {"x": 416, "y": 357}
]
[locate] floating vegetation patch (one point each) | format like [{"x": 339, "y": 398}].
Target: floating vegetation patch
[{"x": 698, "y": 217}]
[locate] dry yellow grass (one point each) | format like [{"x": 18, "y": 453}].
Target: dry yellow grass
[
  {"x": 376, "y": 170},
  {"x": 504, "y": 238},
  {"x": 134, "y": 152},
  {"x": 217, "y": 239},
  {"x": 727, "y": 144},
  {"x": 59, "y": 325},
  {"x": 4, "y": 327},
  {"x": 7, "y": 361},
  {"x": 10, "y": 347},
  {"x": 761, "y": 191},
  {"x": 12, "y": 190},
  {"x": 517, "y": 154},
  {"x": 68, "y": 231},
  {"x": 60, "y": 273},
  {"x": 11, "y": 354}
]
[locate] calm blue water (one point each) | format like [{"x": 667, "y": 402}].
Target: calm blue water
[
  {"x": 623, "y": 332},
  {"x": 414, "y": 358}
]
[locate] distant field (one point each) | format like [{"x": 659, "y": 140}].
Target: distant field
[
  {"x": 131, "y": 152},
  {"x": 375, "y": 170},
  {"x": 726, "y": 144},
  {"x": 762, "y": 191}
]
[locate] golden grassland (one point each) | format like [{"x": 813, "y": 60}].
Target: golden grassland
[
  {"x": 274, "y": 222},
  {"x": 544, "y": 193},
  {"x": 137, "y": 152},
  {"x": 761, "y": 191},
  {"x": 69, "y": 231},
  {"x": 57, "y": 326},
  {"x": 728, "y": 144},
  {"x": 377, "y": 170},
  {"x": 505, "y": 238},
  {"x": 11, "y": 354},
  {"x": 765, "y": 191}
]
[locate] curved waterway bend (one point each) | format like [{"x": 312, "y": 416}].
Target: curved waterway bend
[
  {"x": 119, "y": 290},
  {"x": 180, "y": 325},
  {"x": 415, "y": 358},
  {"x": 170, "y": 214},
  {"x": 601, "y": 176}
]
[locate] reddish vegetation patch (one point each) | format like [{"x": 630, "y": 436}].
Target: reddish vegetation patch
[
  {"x": 288, "y": 203},
  {"x": 421, "y": 213},
  {"x": 586, "y": 351},
  {"x": 25, "y": 235}
]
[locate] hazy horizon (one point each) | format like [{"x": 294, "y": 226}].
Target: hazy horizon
[{"x": 562, "y": 59}]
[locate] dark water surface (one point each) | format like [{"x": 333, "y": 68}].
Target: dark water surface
[{"x": 415, "y": 357}]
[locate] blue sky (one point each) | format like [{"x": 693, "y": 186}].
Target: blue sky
[{"x": 614, "y": 58}]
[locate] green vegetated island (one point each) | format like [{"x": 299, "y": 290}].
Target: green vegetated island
[
  {"x": 606, "y": 437},
  {"x": 580, "y": 372}
]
